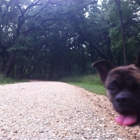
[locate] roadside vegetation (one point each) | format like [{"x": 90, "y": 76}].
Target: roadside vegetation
[
  {"x": 52, "y": 39},
  {"x": 91, "y": 83},
  {"x": 6, "y": 80}
]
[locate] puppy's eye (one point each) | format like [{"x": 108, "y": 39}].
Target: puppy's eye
[{"x": 112, "y": 88}]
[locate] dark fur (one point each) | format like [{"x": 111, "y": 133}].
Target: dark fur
[{"x": 122, "y": 85}]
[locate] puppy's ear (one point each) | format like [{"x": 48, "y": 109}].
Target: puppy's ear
[
  {"x": 137, "y": 64},
  {"x": 103, "y": 67}
]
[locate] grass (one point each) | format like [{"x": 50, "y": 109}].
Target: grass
[
  {"x": 91, "y": 83},
  {"x": 6, "y": 80}
]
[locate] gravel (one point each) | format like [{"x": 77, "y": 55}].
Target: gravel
[{"x": 58, "y": 111}]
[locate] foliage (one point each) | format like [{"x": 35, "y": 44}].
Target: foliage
[
  {"x": 6, "y": 80},
  {"x": 51, "y": 39}
]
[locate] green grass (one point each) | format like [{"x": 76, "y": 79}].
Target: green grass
[
  {"x": 6, "y": 80},
  {"x": 91, "y": 83}
]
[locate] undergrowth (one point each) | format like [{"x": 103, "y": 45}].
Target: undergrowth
[
  {"x": 91, "y": 83},
  {"x": 4, "y": 80}
]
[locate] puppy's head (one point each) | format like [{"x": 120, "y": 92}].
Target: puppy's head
[{"x": 123, "y": 89}]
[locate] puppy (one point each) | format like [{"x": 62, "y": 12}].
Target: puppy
[{"x": 123, "y": 89}]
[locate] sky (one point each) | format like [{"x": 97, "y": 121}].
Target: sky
[{"x": 99, "y": 1}]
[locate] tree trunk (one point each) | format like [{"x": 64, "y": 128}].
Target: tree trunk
[
  {"x": 122, "y": 30},
  {"x": 10, "y": 62},
  {"x": 109, "y": 53},
  {"x": 51, "y": 72},
  {"x": 20, "y": 74},
  {"x": 52, "y": 64}
]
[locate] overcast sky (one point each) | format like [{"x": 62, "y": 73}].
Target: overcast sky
[{"x": 99, "y": 1}]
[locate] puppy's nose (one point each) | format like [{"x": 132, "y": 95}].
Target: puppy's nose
[{"x": 123, "y": 100}]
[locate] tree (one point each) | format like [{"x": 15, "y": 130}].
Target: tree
[
  {"x": 122, "y": 29},
  {"x": 51, "y": 39}
]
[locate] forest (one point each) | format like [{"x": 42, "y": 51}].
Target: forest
[{"x": 52, "y": 39}]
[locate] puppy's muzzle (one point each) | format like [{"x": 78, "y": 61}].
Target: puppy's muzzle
[
  {"x": 123, "y": 100},
  {"x": 125, "y": 103}
]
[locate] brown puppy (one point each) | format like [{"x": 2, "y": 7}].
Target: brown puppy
[{"x": 123, "y": 89}]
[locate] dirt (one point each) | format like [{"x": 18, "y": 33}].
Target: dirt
[{"x": 58, "y": 111}]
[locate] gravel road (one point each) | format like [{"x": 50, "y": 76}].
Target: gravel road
[{"x": 58, "y": 111}]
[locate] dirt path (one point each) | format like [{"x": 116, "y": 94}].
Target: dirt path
[{"x": 57, "y": 111}]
